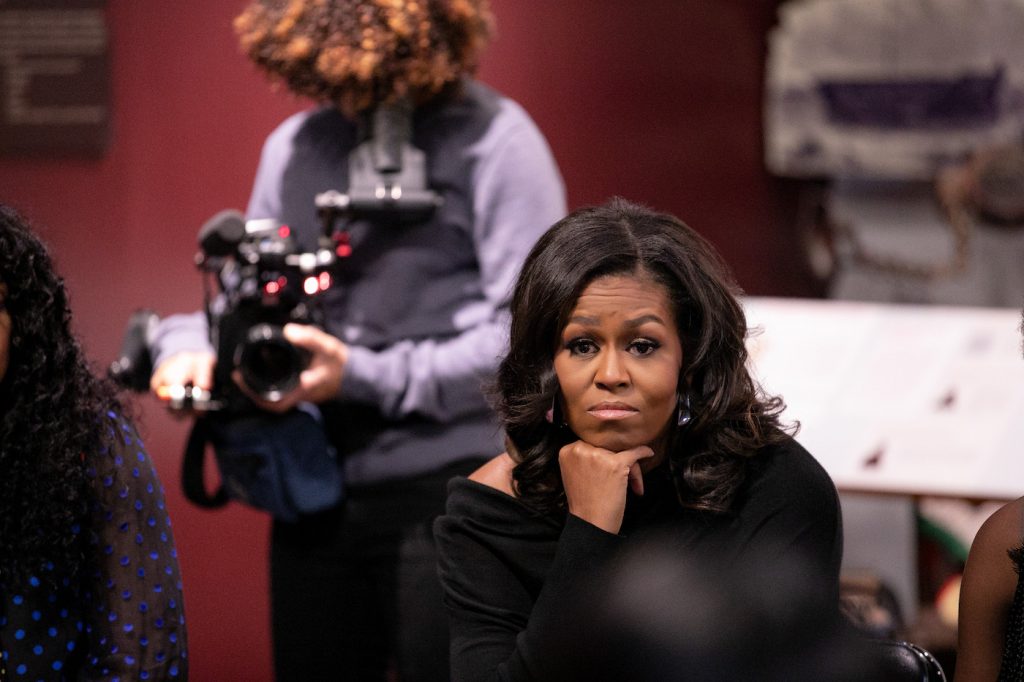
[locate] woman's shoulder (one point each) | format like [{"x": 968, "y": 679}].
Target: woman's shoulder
[
  {"x": 487, "y": 491},
  {"x": 1000, "y": 534},
  {"x": 987, "y": 594},
  {"x": 496, "y": 473},
  {"x": 122, "y": 461},
  {"x": 785, "y": 476},
  {"x": 485, "y": 501},
  {"x": 787, "y": 463},
  {"x": 119, "y": 433}
]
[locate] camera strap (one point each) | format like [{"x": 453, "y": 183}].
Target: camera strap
[{"x": 193, "y": 468}]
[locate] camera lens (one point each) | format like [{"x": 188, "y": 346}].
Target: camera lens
[{"x": 269, "y": 363}]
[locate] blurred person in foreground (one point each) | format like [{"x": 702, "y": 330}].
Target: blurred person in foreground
[
  {"x": 628, "y": 410},
  {"x": 415, "y": 320},
  {"x": 89, "y": 580},
  {"x": 661, "y": 611}
]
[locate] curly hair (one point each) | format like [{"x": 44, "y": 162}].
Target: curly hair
[
  {"x": 52, "y": 416},
  {"x": 731, "y": 419},
  {"x": 360, "y": 53}
]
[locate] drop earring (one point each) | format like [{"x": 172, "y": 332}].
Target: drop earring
[
  {"x": 683, "y": 415},
  {"x": 553, "y": 415}
]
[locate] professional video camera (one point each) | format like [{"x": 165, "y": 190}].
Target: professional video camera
[
  {"x": 261, "y": 280},
  {"x": 264, "y": 281}
]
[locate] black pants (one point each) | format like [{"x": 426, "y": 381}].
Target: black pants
[{"x": 354, "y": 591}]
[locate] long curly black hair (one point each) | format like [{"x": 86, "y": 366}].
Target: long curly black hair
[
  {"x": 731, "y": 418},
  {"x": 53, "y": 416},
  {"x": 360, "y": 53}
]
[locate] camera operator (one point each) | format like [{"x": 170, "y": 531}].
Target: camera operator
[{"x": 415, "y": 318}]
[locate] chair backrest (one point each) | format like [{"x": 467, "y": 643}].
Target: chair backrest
[{"x": 907, "y": 662}]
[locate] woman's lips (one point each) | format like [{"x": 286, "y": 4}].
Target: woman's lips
[{"x": 612, "y": 411}]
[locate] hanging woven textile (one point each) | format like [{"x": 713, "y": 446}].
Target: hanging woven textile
[{"x": 891, "y": 89}]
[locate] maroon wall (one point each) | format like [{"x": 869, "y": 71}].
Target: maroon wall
[{"x": 659, "y": 104}]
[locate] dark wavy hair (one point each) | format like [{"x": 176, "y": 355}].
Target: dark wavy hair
[
  {"x": 360, "y": 53},
  {"x": 731, "y": 419},
  {"x": 53, "y": 416}
]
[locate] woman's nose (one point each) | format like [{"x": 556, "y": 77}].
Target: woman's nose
[{"x": 611, "y": 372}]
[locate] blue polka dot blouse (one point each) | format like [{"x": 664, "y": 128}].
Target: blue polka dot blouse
[{"x": 127, "y": 621}]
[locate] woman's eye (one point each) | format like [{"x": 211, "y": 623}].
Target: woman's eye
[
  {"x": 581, "y": 346},
  {"x": 644, "y": 346}
]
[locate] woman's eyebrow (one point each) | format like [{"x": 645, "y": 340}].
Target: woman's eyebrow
[
  {"x": 643, "y": 319},
  {"x": 635, "y": 322}
]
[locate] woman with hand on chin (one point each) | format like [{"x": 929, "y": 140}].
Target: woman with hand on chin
[{"x": 628, "y": 411}]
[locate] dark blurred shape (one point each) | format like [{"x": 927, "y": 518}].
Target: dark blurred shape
[
  {"x": 221, "y": 234},
  {"x": 870, "y": 605},
  {"x": 998, "y": 188},
  {"x": 664, "y": 614},
  {"x": 133, "y": 365}
]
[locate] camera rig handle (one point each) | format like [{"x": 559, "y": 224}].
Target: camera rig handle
[
  {"x": 134, "y": 365},
  {"x": 387, "y": 175}
]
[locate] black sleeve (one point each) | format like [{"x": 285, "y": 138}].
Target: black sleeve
[
  {"x": 792, "y": 512},
  {"x": 506, "y": 590},
  {"x": 136, "y": 624}
]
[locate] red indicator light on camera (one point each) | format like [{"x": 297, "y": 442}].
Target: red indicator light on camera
[
  {"x": 344, "y": 249},
  {"x": 284, "y": 231},
  {"x": 272, "y": 288}
]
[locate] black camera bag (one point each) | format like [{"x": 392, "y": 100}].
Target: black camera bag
[{"x": 282, "y": 464}]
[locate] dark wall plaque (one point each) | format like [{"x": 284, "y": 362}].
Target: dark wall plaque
[{"x": 54, "y": 78}]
